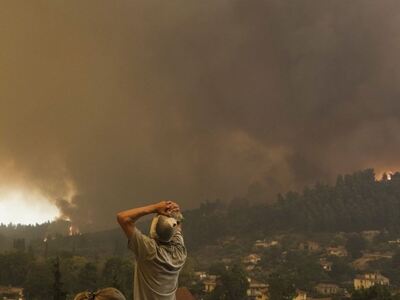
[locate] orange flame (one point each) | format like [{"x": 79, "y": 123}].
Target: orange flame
[{"x": 73, "y": 230}]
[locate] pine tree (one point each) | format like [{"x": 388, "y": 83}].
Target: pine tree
[{"x": 58, "y": 293}]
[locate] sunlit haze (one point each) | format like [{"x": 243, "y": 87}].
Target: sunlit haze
[{"x": 20, "y": 207}]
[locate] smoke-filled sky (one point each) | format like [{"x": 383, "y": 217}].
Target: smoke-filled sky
[{"x": 105, "y": 105}]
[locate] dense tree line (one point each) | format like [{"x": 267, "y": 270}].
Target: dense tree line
[
  {"x": 232, "y": 284},
  {"x": 355, "y": 202},
  {"x": 64, "y": 276}
]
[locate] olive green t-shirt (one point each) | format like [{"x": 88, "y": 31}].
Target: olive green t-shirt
[{"x": 157, "y": 266}]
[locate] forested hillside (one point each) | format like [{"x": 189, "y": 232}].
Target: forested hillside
[{"x": 356, "y": 202}]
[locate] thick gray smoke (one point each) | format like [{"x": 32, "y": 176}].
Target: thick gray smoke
[{"x": 110, "y": 104}]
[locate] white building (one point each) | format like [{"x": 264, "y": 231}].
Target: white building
[
  {"x": 365, "y": 281},
  {"x": 252, "y": 259},
  {"x": 209, "y": 283},
  {"x": 11, "y": 293},
  {"x": 262, "y": 244},
  {"x": 336, "y": 251},
  {"x": 257, "y": 290},
  {"x": 327, "y": 288}
]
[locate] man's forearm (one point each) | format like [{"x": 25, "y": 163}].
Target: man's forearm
[
  {"x": 135, "y": 213},
  {"x": 127, "y": 218}
]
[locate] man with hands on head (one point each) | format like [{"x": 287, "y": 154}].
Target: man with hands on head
[{"x": 159, "y": 256}]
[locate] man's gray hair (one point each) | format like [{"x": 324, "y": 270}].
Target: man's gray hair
[{"x": 103, "y": 294}]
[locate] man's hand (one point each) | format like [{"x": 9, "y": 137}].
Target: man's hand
[
  {"x": 128, "y": 218},
  {"x": 166, "y": 208}
]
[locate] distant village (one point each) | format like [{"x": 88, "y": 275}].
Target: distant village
[{"x": 365, "y": 275}]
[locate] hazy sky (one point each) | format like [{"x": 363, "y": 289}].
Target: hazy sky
[{"x": 106, "y": 105}]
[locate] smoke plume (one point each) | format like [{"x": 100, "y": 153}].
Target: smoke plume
[{"x": 110, "y": 104}]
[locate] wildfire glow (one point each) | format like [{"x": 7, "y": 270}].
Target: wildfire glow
[
  {"x": 384, "y": 175},
  {"x": 25, "y": 207},
  {"x": 73, "y": 230}
]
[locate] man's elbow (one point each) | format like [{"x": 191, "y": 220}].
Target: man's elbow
[
  {"x": 126, "y": 224},
  {"x": 121, "y": 219}
]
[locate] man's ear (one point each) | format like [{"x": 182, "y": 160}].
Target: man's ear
[
  {"x": 153, "y": 227},
  {"x": 179, "y": 226}
]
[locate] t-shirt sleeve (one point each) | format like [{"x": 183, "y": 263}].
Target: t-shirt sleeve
[
  {"x": 142, "y": 245},
  {"x": 179, "y": 243},
  {"x": 178, "y": 238}
]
